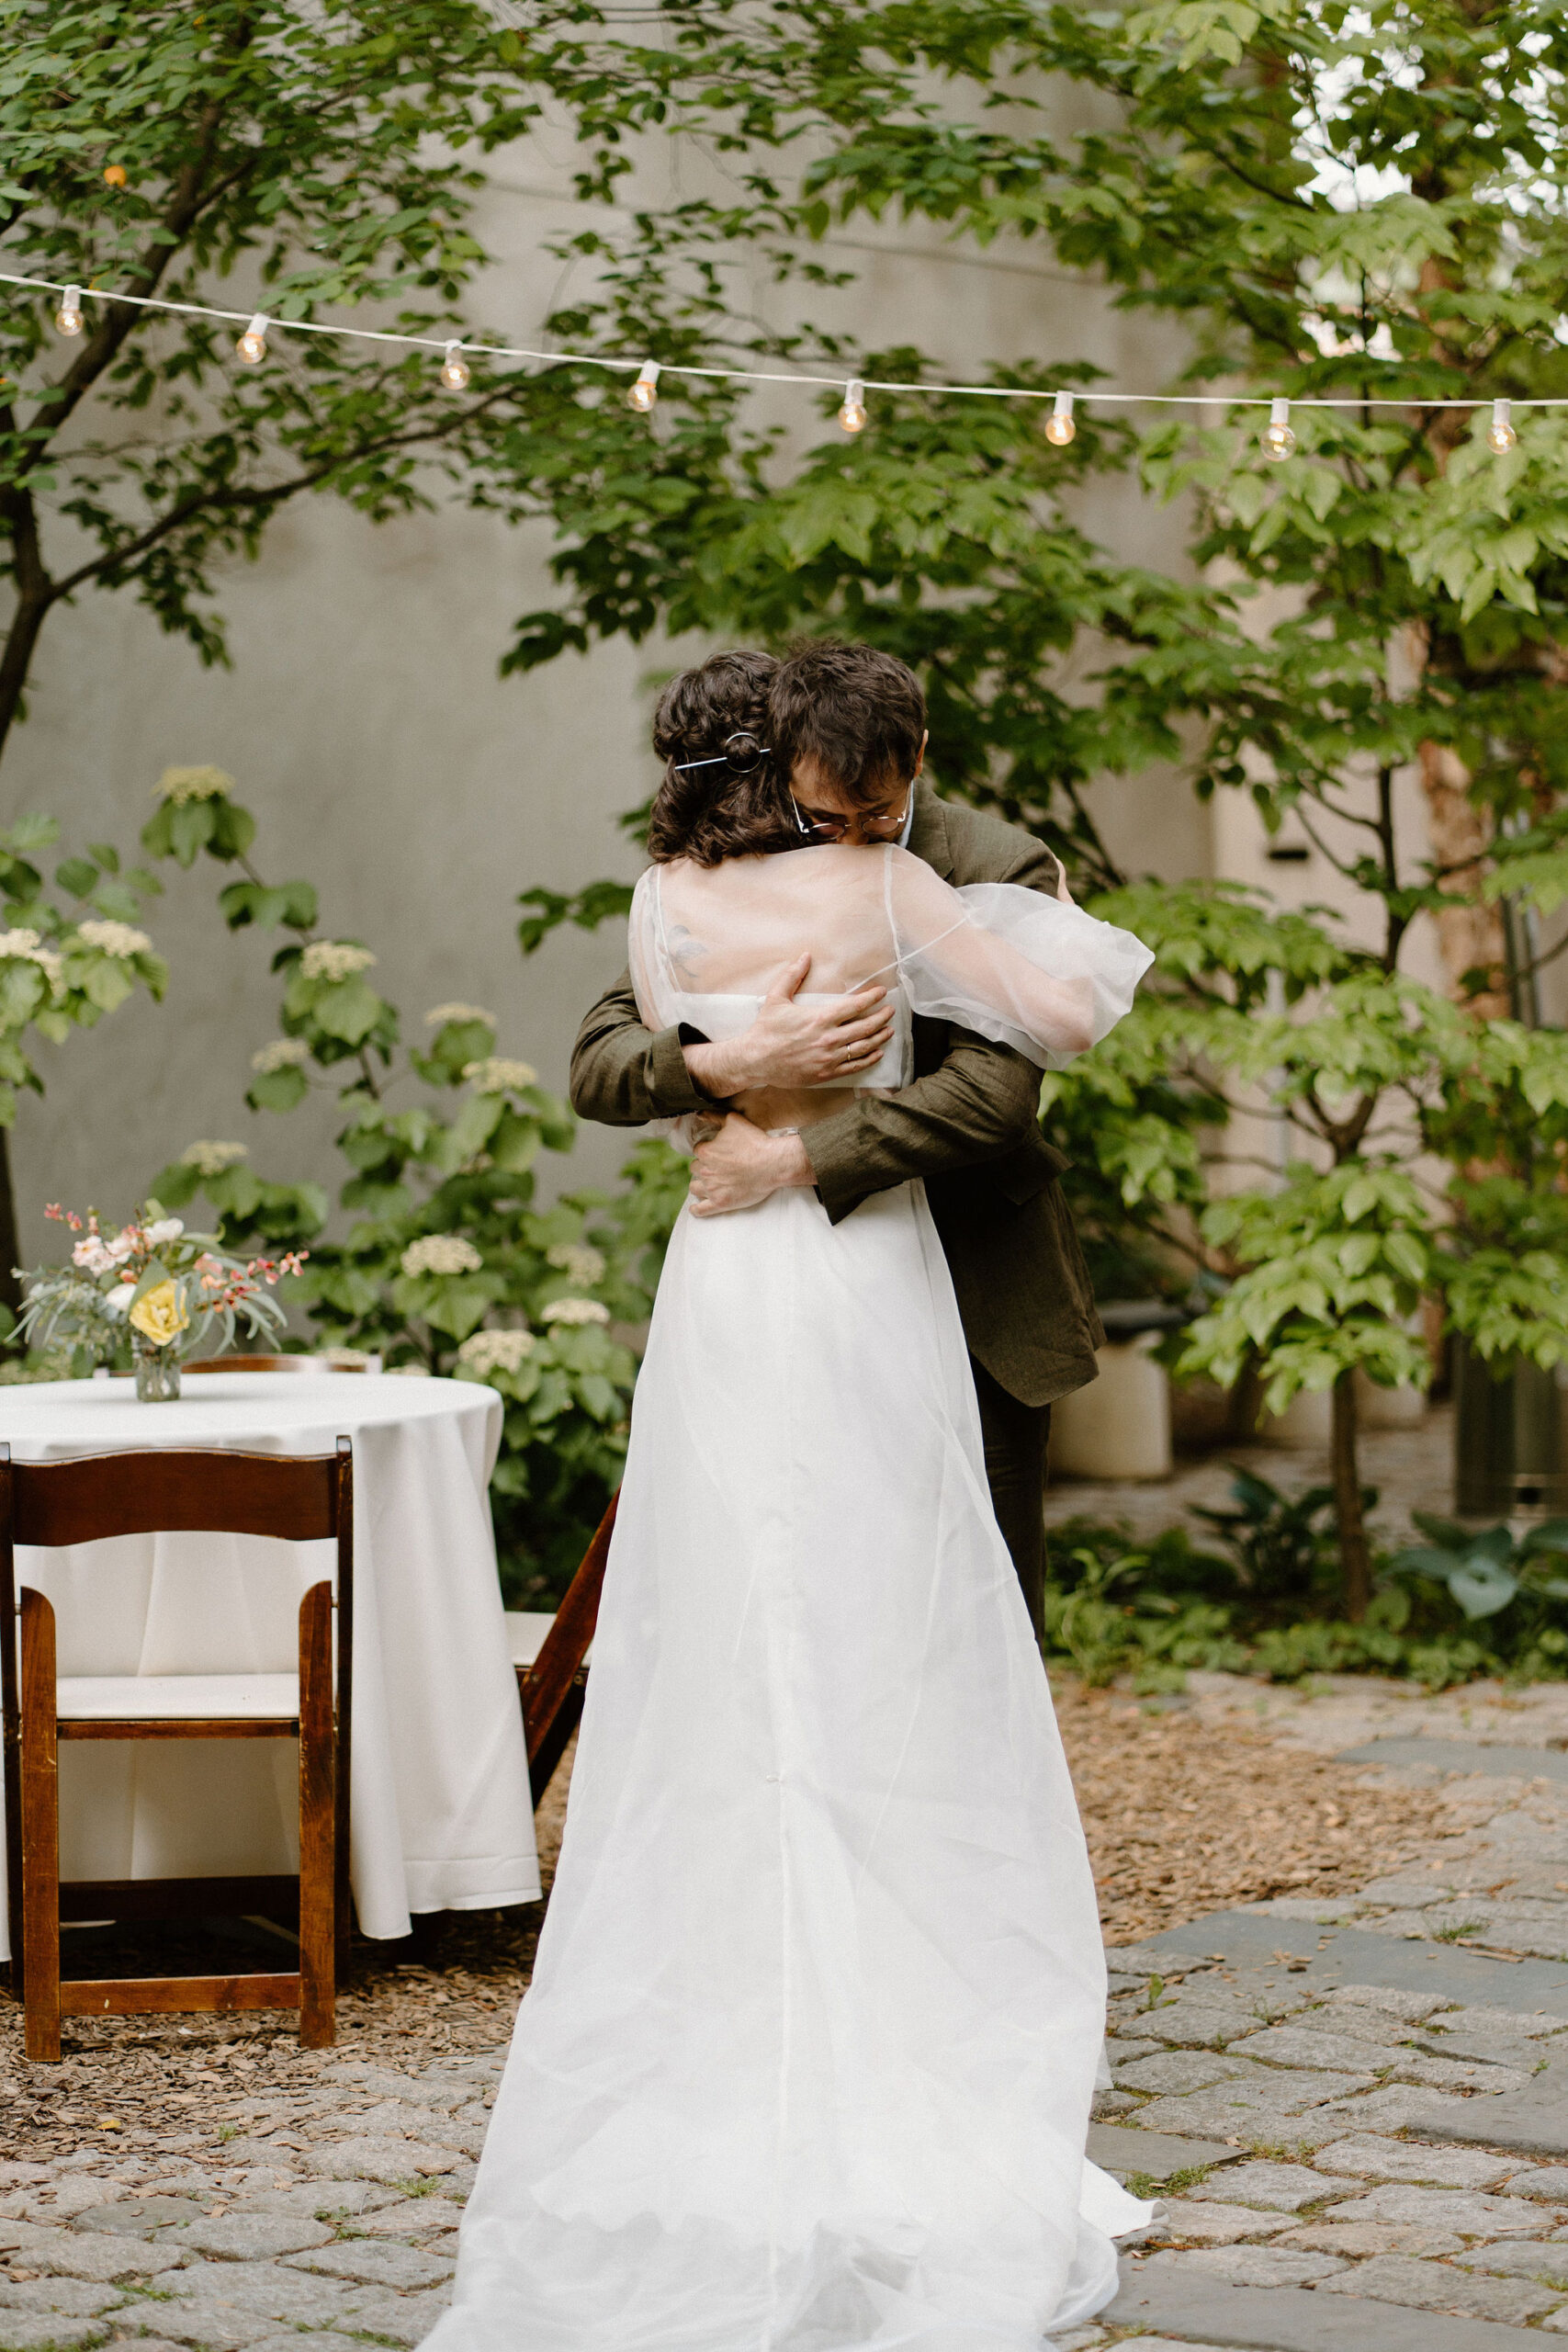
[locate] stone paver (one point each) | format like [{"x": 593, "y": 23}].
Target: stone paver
[
  {"x": 1193, "y": 2221},
  {"x": 1258, "y": 2265},
  {"x": 1438, "y": 2286},
  {"x": 1284, "y": 2189},
  {"x": 242, "y": 2237}
]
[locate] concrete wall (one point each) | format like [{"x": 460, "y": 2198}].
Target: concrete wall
[{"x": 367, "y": 729}]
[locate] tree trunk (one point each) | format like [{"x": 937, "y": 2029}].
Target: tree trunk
[
  {"x": 1470, "y": 938},
  {"x": 1355, "y": 1558}
]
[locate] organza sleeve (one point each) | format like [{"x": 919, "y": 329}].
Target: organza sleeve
[
  {"x": 1022, "y": 969},
  {"x": 651, "y": 983}
]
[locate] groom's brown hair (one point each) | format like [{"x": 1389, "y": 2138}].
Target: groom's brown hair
[{"x": 857, "y": 711}]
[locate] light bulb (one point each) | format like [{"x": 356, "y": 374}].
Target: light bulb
[
  {"x": 852, "y": 416},
  {"x": 455, "y": 369},
  {"x": 1278, "y": 440},
  {"x": 1060, "y": 425},
  {"x": 252, "y": 345},
  {"x": 644, "y": 393},
  {"x": 68, "y": 317},
  {"x": 1500, "y": 434}
]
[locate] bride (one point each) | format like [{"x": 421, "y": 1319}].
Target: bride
[{"x": 809, "y": 2053}]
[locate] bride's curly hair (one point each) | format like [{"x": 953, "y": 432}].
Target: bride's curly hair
[{"x": 719, "y": 810}]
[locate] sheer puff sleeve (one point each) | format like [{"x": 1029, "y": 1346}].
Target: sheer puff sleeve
[{"x": 1022, "y": 969}]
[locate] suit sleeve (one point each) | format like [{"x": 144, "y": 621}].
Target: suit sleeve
[
  {"x": 623, "y": 1074},
  {"x": 979, "y": 1103}
]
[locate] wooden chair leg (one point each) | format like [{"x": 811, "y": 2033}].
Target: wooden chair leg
[
  {"x": 41, "y": 1828},
  {"x": 318, "y": 1870}
]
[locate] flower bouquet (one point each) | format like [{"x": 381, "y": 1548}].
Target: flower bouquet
[{"x": 165, "y": 1289}]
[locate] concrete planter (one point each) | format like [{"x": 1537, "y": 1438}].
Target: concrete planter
[{"x": 1118, "y": 1427}]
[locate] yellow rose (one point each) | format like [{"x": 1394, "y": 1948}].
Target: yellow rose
[{"x": 159, "y": 1315}]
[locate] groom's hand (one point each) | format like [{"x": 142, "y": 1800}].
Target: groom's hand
[
  {"x": 797, "y": 1045},
  {"x": 739, "y": 1166}
]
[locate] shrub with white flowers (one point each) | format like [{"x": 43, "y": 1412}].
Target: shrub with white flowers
[
  {"x": 446, "y": 1260},
  {"x": 180, "y": 785},
  {"x": 441, "y": 1253},
  {"x": 113, "y": 938},
  {"x": 484, "y": 1353},
  {"x": 335, "y": 959},
  {"x": 574, "y": 1310},
  {"x": 496, "y": 1075},
  {"x": 440, "y": 1014},
  {"x": 577, "y": 1259},
  {"x": 211, "y": 1159},
  {"x": 284, "y": 1053}
]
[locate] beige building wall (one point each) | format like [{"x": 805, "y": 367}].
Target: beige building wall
[{"x": 385, "y": 759}]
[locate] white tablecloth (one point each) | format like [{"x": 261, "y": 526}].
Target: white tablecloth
[{"x": 441, "y": 1818}]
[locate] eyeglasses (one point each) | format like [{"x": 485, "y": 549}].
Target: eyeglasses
[
  {"x": 832, "y": 824},
  {"x": 743, "y": 755}
]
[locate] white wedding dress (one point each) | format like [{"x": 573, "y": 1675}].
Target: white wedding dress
[{"x": 807, "y": 2057}]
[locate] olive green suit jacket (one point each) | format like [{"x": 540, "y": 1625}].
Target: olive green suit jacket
[{"x": 966, "y": 1126}]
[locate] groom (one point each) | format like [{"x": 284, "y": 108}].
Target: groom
[{"x": 847, "y": 729}]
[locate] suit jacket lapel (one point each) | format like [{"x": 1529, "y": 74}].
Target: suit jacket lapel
[{"x": 928, "y": 834}]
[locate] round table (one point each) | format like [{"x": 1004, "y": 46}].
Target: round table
[{"x": 441, "y": 1814}]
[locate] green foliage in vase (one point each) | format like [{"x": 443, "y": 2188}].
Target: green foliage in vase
[{"x": 444, "y": 1261}]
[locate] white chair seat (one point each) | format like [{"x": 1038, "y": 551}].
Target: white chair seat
[
  {"x": 98, "y": 1698},
  {"x": 526, "y": 1631}
]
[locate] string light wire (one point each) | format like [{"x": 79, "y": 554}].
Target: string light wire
[{"x": 444, "y": 344}]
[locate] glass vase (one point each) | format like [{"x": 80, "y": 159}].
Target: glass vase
[{"x": 157, "y": 1372}]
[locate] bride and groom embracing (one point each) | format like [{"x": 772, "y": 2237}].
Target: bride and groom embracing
[{"x": 807, "y": 2061}]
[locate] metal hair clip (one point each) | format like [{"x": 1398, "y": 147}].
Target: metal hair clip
[{"x": 740, "y": 754}]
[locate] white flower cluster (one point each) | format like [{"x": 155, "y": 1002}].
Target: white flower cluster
[
  {"x": 180, "y": 785},
  {"x": 439, "y": 1015},
  {"x": 487, "y": 1351},
  {"x": 211, "y": 1159},
  {"x": 113, "y": 938},
  {"x": 335, "y": 959},
  {"x": 498, "y": 1076},
  {"x": 580, "y": 1260},
  {"x": 26, "y": 947},
  {"x": 284, "y": 1053},
  {"x": 574, "y": 1310},
  {"x": 441, "y": 1253}
]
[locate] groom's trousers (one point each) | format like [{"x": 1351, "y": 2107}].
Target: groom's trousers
[{"x": 1017, "y": 1438}]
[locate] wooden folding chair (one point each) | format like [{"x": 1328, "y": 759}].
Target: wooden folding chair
[
  {"x": 254, "y": 1364},
  {"x": 295, "y": 1499},
  {"x": 552, "y": 1677}
]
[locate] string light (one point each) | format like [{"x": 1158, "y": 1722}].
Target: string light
[
  {"x": 644, "y": 393},
  {"x": 1500, "y": 434},
  {"x": 852, "y": 416},
  {"x": 1060, "y": 425},
  {"x": 1278, "y": 440},
  {"x": 454, "y": 368},
  {"x": 1278, "y": 436}
]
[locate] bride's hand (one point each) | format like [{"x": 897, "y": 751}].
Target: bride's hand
[
  {"x": 740, "y": 1165},
  {"x": 797, "y": 1045}
]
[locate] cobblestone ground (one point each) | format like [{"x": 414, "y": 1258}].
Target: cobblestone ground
[{"x": 1353, "y": 2109}]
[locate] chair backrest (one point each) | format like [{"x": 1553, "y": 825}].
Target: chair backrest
[
  {"x": 299, "y": 1499},
  {"x": 254, "y": 1364}
]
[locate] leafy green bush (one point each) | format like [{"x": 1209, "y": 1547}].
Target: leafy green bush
[
  {"x": 1462, "y": 1606},
  {"x": 444, "y": 1261}
]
